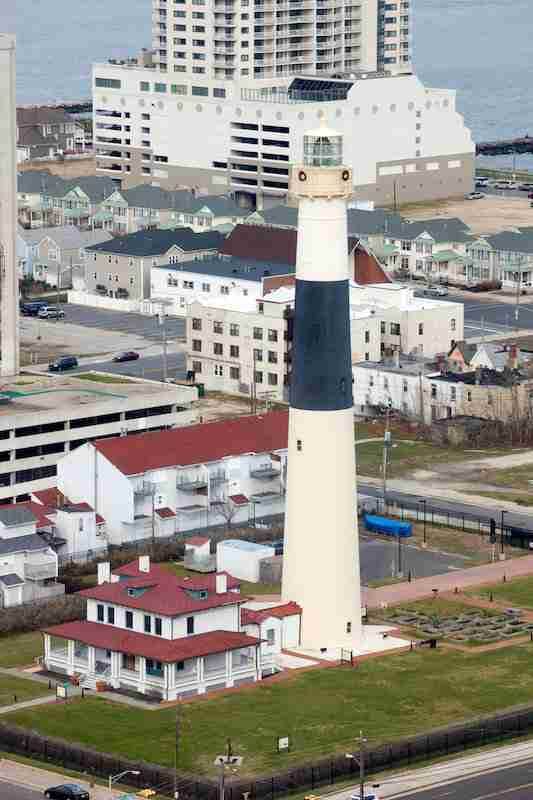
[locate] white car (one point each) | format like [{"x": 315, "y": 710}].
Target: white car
[
  {"x": 369, "y": 795},
  {"x": 436, "y": 291}
]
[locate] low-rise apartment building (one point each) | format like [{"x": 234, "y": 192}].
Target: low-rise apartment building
[
  {"x": 58, "y": 254},
  {"x": 242, "y": 345},
  {"x": 121, "y": 267},
  {"x": 149, "y": 632},
  {"x": 156, "y": 484},
  {"x": 49, "y": 417}
]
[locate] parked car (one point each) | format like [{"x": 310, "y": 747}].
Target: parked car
[
  {"x": 436, "y": 291},
  {"x": 526, "y": 187},
  {"x": 32, "y": 309},
  {"x": 51, "y": 312},
  {"x": 530, "y": 196},
  {"x": 67, "y": 791},
  {"x": 127, "y": 355},
  {"x": 482, "y": 183},
  {"x": 369, "y": 795},
  {"x": 505, "y": 185},
  {"x": 63, "y": 363},
  {"x": 474, "y": 196},
  {"x": 278, "y": 546}
]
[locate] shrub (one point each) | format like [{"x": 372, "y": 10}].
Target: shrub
[{"x": 33, "y": 616}]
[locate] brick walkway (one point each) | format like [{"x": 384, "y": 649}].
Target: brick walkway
[{"x": 462, "y": 579}]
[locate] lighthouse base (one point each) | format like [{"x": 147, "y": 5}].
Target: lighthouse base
[{"x": 374, "y": 639}]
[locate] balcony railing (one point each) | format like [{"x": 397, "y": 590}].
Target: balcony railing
[{"x": 265, "y": 471}]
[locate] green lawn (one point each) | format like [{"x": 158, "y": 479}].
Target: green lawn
[
  {"x": 518, "y": 592},
  {"x": 99, "y": 378},
  {"x": 20, "y": 649},
  {"x": 23, "y": 689},
  {"x": 322, "y": 710},
  {"x": 246, "y": 586},
  {"x": 403, "y": 457}
]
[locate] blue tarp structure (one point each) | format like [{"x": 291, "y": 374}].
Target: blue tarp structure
[{"x": 389, "y": 527}]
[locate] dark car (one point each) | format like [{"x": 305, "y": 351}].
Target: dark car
[
  {"x": 278, "y": 546},
  {"x": 128, "y": 355},
  {"x": 32, "y": 309},
  {"x": 63, "y": 363},
  {"x": 67, "y": 791}
]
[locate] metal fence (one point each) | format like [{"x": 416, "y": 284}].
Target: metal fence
[{"x": 401, "y": 753}]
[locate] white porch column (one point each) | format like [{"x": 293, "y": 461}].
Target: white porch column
[
  {"x": 200, "y": 667},
  {"x": 91, "y": 660},
  {"x": 46, "y": 647},
  {"x": 70, "y": 656},
  {"x": 115, "y": 665},
  {"x": 142, "y": 674},
  {"x": 229, "y": 671},
  {"x": 171, "y": 676},
  {"x": 258, "y": 673}
]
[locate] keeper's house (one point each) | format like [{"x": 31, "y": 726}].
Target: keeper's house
[{"x": 150, "y": 632}]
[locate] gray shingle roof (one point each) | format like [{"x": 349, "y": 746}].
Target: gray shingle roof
[
  {"x": 19, "y": 544},
  {"x": 284, "y": 216},
  {"x": 158, "y": 242},
  {"x": 37, "y": 181},
  {"x": 96, "y": 187},
  {"x": 16, "y": 515},
  {"x": 243, "y": 269},
  {"x": 11, "y": 579},
  {"x": 67, "y": 237},
  {"x": 514, "y": 242},
  {"x": 219, "y": 205},
  {"x": 42, "y": 115},
  {"x": 147, "y": 196}
]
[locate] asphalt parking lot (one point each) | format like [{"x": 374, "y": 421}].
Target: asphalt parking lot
[
  {"x": 124, "y": 322},
  {"x": 379, "y": 560},
  {"x": 150, "y": 367},
  {"x": 482, "y": 317}
]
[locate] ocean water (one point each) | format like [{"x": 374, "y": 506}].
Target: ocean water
[{"x": 481, "y": 48}]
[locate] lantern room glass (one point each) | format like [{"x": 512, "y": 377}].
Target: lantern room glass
[{"x": 324, "y": 150}]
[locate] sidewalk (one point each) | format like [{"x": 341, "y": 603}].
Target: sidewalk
[
  {"x": 462, "y": 579},
  {"x": 40, "y": 779}
]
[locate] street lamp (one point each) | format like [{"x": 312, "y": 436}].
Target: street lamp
[
  {"x": 423, "y": 502},
  {"x": 362, "y": 741},
  {"x": 114, "y": 778}
]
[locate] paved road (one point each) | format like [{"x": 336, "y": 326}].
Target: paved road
[
  {"x": 379, "y": 560},
  {"x": 150, "y": 367},
  {"x": 10, "y": 791},
  {"x": 513, "y": 783},
  {"x": 482, "y": 317},
  {"x": 138, "y": 324}
]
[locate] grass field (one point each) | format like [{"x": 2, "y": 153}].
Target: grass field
[
  {"x": 520, "y": 498},
  {"x": 405, "y": 456},
  {"x": 99, "y": 378},
  {"x": 21, "y": 688},
  {"x": 322, "y": 710},
  {"x": 20, "y": 649},
  {"x": 246, "y": 587},
  {"x": 518, "y": 592}
]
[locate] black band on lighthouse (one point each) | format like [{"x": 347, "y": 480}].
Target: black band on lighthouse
[{"x": 321, "y": 378}]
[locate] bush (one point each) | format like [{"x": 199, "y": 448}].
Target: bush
[{"x": 33, "y": 616}]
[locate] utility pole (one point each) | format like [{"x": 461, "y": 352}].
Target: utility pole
[
  {"x": 176, "y": 753},
  {"x": 386, "y": 447},
  {"x": 162, "y": 322},
  {"x": 362, "y": 742},
  {"x": 502, "y": 549}
]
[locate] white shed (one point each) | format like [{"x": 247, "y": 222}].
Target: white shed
[
  {"x": 197, "y": 547},
  {"x": 241, "y": 558}
]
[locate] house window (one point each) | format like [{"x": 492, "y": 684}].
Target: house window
[
  {"x": 153, "y": 667},
  {"x": 206, "y": 287},
  {"x": 469, "y": 396},
  {"x": 234, "y": 350},
  {"x": 197, "y": 345},
  {"x": 128, "y": 662},
  {"x": 129, "y": 619},
  {"x": 453, "y": 393},
  {"x": 367, "y": 356},
  {"x": 433, "y": 390},
  {"x": 395, "y": 328},
  {"x": 190, "y": 624},
  {"x": 111, "y": 615},
  {"x": 452, "y": 324},
  {"x": 218, "y": 327},
  {"x": 420, "y": 328},
  {"x": 234, "y": 373},
  {"x": 100, "y": 612},
  {"x": 272, "y": 335},
  {"x": 271, "y": 636},
  {"x": 197, "y": 367},
  {"x": 224, "y": 290},
  {"x": 196, "y": 324},
  {"x": 272, "y": 357},
  {"x": 367, "y": 337},
  {"x": 299, "y": 445},
  {"x": 272, "y": 379},
  {"x": 258, "y": 333},
  {"x": 258, "y": 377},
  {"x": 233, "y": 329},
  {"x": 147, "y": 623},
  {"x": 348, "y": 627},
  {"x": 258, "y": 355},
  {"x": 219, "y": 370},
  {"x": 405, "y": 386},
  {"x": 218, "y": 349},
  {"x": 180, "y": 666},
  {"x": 158, "y": 623}
]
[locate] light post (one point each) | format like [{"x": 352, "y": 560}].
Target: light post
[
  {"x": 423, "y": 502},
  {"x": 501, "y": 534},
  {"x": 362, "y": 741},
  {"x": 114, "y": 778}
]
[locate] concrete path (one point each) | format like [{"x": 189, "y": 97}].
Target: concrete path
[
  {"x": 37, "y": 701},
  {"x": 423, "y": 587},
  {"x": 15, "y": 773}
]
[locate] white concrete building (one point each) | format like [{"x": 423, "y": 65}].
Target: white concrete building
[
  {"x": 242, "y": 559},
  {"x": 278, "y": 626},
  {"x": 50, "y": 417},
  {"x": 242, "y": 345},
  {"x": 399, "y": 385},
  {"x": 241, "y": 135},
  {"x": 8, "y": 209},
  {"x": 28, "y": 563},
  {"x": 183, "y": 479},
  {"x": 150, "y": 632}
]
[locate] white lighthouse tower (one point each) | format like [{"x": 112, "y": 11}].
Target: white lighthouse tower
[{"x": 321, "y": 556}]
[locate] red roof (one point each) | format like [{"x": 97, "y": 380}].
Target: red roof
[
  {"x": 48, "y": 497},
  {"x": 165, "y": 512},
  {"x": 251, "y": 616},
  {"x": 99, "y": 519},
  {"x": 197, "y": 541},
  {"x": 367, "y": 268},
  {"x": 261, "y": 243},
  {"x": 239, "y": 499},
  {"x": 108, "y": 637},
  {"x": 196, "y": 444}
]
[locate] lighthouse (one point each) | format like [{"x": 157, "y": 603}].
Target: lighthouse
[{"x": 321, "y": 553}]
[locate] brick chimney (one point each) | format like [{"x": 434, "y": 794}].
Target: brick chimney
[{"x": 221, "y": 583}]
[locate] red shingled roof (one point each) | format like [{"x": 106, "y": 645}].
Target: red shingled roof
[
  {"x": 196, "y": 444},
  {"x": 48, "y": 497},
  {"x": 239, "y": 499},
  {"x": 367, "y": 268},
  {"x": 261, "y": 243},
  {"x": 131, "y": 570},
  {"x": 108, "y": 637},
  {"x": 197, "y": 541},
  {"x": 165, "y": 512},
  {"x": 251, "y": 616}
]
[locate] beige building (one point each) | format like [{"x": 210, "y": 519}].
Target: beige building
[
  {"x": 59, "y": 254},
  {"x": 121, "y": 268}
]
